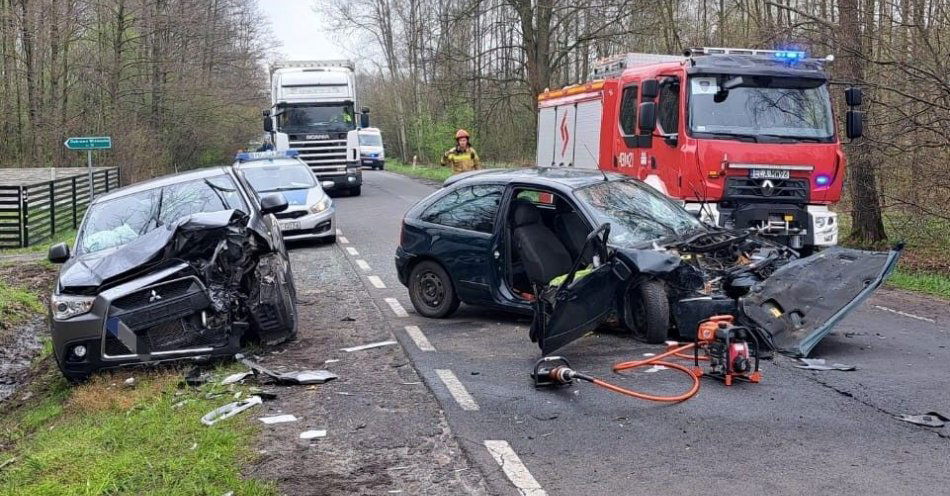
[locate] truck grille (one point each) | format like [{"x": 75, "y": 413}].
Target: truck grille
[
  {"x": 773, "y": 190},
  {"x": 325, "y": 157}
]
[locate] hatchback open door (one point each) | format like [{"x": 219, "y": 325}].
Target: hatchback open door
[
  {"x": 584, "y": 299},
  {"x": 802, "y": 301}
]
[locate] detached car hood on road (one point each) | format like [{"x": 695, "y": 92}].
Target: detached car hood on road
[
  {"x": 801, "y": 302},
  {"x": 90, "y": 271}
]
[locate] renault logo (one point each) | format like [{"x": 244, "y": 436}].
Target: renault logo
[
  {"x": 154, "y": 297},
  {"x": 767, "y": 187}
]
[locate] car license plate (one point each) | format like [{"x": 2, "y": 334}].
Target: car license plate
[
  {"x": 290, "y": 225},
  {"x": 769, "y": 174}
]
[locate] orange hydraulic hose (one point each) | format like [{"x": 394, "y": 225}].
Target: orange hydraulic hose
[{"x": 656, "y": 360}]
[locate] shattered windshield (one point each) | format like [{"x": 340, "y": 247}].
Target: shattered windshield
[
  {"x": 271, "y": 178},
  {"x": 636, "y": 212},
  {"x": 116, "y": 222},
  {"x": 316, "y": 119},
  {"x": 760, "y": 109}
]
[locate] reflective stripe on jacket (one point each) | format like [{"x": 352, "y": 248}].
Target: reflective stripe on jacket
[{"x": 461, "y": 161}]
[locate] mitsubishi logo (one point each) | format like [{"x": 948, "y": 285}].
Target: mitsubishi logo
[
  {"x": 767, "y": 187},
  {"x": 154, "y": 297}
]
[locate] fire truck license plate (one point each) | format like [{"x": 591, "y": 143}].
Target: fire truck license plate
[
  {"x": 290, "y": 225},
  {"x": 768, "y": 174}
]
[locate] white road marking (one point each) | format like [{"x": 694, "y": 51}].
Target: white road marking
[
  {"x": 515, "y": 470},
  {"x": 368, "y": 346},
  {"x": 352, "y": 251},
  {"x": 422, "y": 342},
  {"x": 396, "y": 307},
  {"x": 905, "y": 314},
  {"x": 457, "y": 390},
  {"x": 339, "y": 232},
  {"x": 377, "y": 282},
  {"x": 363, "y": 265},
  {"x": 342, "y": 239}
]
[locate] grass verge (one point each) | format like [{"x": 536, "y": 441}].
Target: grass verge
[
  {"x": 105, "y": 438},
  {"x": 933, "y": 284},
  {"x": 16, "y": 305},
  {"x": 433, "y": 172},
  {"x": 68, "y": 237}
]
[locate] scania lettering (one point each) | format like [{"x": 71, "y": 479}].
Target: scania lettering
[
  {"x": 314, "y": 112},
  {"x": 746, "y": 139}
]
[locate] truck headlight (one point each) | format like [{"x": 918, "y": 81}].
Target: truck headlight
[
  {"x": 68, "y": 306},
  {"x": 320, "y": 206},
  {"x": 820, "y": 222}
]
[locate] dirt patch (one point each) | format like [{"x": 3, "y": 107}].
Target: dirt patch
[
  {"x": 22, "y": 342},
  {"x": 385, "y": 431}
]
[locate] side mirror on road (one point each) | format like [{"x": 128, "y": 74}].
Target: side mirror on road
[
  {"x": 58, "y": 253},
  {"x": 273, "y": 203}
]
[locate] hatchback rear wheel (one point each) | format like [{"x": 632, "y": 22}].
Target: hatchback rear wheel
[{"x": 431, "y": 290}]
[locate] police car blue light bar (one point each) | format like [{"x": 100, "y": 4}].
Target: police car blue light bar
[
  {"x": 268, "y": 155},
  {"x": 789, "y": 55}
]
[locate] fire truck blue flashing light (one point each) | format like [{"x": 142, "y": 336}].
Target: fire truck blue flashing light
[
  {"x": 822, "y": 180},
  {"x": 789, "y": 55},
  {"x": 246, "y": 156}
]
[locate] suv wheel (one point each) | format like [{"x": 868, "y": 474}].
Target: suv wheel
[{"x": 431, "y": 290}]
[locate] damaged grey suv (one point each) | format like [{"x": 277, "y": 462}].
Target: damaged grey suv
[{"x": 175, "y": 267}]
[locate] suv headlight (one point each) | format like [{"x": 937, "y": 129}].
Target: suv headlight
[
  {"x": 320, "y": 206},
  {"x": 68, "y": 306}
]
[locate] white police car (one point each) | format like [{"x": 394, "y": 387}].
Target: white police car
[{"x": 310, "y": 212}]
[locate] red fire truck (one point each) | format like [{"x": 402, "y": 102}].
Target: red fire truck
[{"x": 745, "y": 138}]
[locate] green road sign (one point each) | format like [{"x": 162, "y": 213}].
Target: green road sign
[{"x": 89, "y": 143}]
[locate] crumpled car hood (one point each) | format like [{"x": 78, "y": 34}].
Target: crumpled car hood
[
  {"x": 801, "y": 302},
  {"x": 94, "y": 269}
]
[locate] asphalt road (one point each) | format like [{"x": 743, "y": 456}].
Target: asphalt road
[{"x": 799, "y": 431}]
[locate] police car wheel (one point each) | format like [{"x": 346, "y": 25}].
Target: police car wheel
[{"x": 431, "y": 290}]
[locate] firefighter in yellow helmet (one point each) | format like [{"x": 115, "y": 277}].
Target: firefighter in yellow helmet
[{"x": 462, "y": 157}]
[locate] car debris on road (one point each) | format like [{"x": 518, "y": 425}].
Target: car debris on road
[
  {"x": 278, "y": 419},
  {"x": 229, "y": 410},
  {"x": 819, "y": 364},
  {"x": 368, "y": 346},
  {"x": 929, "y": 419},
  {"x": 295, "y": 377}
]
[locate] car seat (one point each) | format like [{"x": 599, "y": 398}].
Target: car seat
[
  {"x": 544, "y": 255},
  {"x": 572, "y": 230}
]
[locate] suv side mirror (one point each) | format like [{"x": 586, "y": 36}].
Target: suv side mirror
[
  {"x": 273, "y": 203},
  {"x": 854, "y": 97},
  {"x": 58, "y": 253},
  {"x": 268, "y": 124},
  {"x": 854, "y": 124}
]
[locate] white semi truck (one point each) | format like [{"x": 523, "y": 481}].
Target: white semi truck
[{"x": 313, "y": 111}]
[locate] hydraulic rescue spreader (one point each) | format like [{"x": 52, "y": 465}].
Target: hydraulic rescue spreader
[{"x": 732, "y": 352}]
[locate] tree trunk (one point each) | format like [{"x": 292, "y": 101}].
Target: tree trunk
[{"x": 867, "y": 225}]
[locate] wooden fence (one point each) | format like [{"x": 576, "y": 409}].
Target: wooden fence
[{"x": 33, "y": 213}]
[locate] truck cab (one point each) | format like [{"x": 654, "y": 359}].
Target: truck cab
[
  {"x": 314, "y": 111},
  {"x": 746, "y": 139}
]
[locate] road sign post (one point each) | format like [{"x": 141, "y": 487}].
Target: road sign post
[{"x": 89, "y": 143}]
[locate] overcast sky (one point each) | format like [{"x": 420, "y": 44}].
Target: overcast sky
[{"x": 301, "y": 30}]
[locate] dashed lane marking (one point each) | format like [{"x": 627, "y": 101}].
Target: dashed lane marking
[
  {"x": 457, "y": 390},
  {"x": 513, "y": 467},
  {"x": 422, "y": 342},
  {"x": 377, "y": 282},
  {"x": 363, "y": 265},
  {"x": 352, "y": 251},
  {"x": 905, "y": 314},
  {"x": 342, "y": 239},
  {"x": 396, "y": 307}
]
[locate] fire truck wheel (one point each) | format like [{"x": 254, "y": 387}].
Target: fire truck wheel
[
  {"x": 646, "y": 311},
  {"x": 431, "y": 290}
]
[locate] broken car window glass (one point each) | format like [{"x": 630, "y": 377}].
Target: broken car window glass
[
  {"x": 472, "y": 208},
  {"x": 636, "y": 212},
  {"x": 116, "y": 222}
]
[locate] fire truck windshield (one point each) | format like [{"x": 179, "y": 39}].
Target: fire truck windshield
[
  {"x": 763, "y": 109},
  {"x": 316, "y": 119}
]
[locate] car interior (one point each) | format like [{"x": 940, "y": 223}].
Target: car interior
[{"x": 546, "y": 236}]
